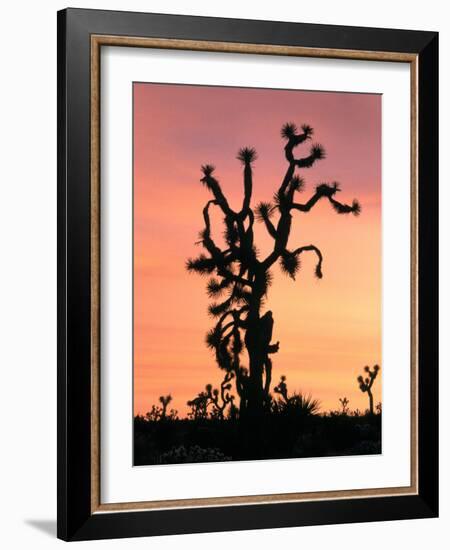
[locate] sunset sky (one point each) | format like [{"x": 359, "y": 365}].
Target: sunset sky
[{"x": 328, "y": 329}]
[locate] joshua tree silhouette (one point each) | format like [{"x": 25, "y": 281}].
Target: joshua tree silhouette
[
  {"x": 365, "y": 384},
  {"x": 199, "y": 406},
  {"x": 164, "y": 400},
  {"x": 344, "y": 404},
  {"x": 160, "y": 413},
  {"x": 241, "y": 278},
  {"x": 219, "y": 399}
]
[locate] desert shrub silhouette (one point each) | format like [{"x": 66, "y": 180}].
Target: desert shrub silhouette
[
  {"x": 293, "y": 427},
  {"x": 294, "y": 404}
]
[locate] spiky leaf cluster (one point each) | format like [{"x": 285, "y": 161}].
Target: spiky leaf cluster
[
  {"x": 213, "y": 337},
  {"x": 208, "y": 169},
  {"x": 279, "y": 200},
  {"x": 318, "y": 151},
  {"x": 356, "y": 207},
  {"x": 289, "y": 130},
  {"x": 215, "y": 288},
  {"x": 290, "y": 264},
  {"x": 327, "y": 190},
  {"x": 247, "y": 155},
  {"x": 297, "y": 183},
  {"x": 264, "y": 210},
  {"x": 202, "y": 265},
  {"x": 218, "y": 309},
  {"x": 307, "y": 130}
]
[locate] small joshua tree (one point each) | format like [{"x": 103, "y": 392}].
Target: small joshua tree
[
  {"x": 221, "y": 399},
  {"x": 164, "y": 400},
  {"x": 344, "y": 404},
  {"x": 366, "y": 383},
  {"x": 199, "y": 406},
  {"x": 240, "y": 279},
  {"x": 281, "y": 388},
  {"x": 160, "y": 413}
]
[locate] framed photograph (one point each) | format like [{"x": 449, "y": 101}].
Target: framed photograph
[{"x": 247, "y": 255}]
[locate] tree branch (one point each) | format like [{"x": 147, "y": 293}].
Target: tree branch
[
  {"x": 289, "y": 132},
  {"x": 247, "y": 155},
  {"x": 264, "y": 211},
  {"x": 213, "y": 185},
  {"x": 217, "y": 255},
  {"x": 328, "y": 191},
  {"x": 312, "y": 248},
  {"x": 317, "y": 153},
  {"x": 308, "y": 205},
  {"x": 270, "y": 227}
]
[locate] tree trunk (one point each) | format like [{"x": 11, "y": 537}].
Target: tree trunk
[
  {"x": 370, "y": 401},
  {"x": 256, "y": 389},
  {"x": 252, "y": 421},
  {"x": 255, "y": 396},
  {"x": 253, "y": 386},
  {"x": 256, "y": 355}
]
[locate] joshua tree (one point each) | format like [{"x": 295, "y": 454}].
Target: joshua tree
[
  {"x": 344, "y": 404},
  {"x": 365, "y": 384},
  {"x": 281, "y": 388},
  {"x": 221, "y": 399},
  {"x": 160, "y": 413},
  {"x": 199, "y": 406},
  {"x": 164, "y": 400},
  {"x": 240, "y": 278}
]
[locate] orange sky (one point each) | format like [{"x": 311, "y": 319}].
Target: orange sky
[{"x": 328, "y": 329}]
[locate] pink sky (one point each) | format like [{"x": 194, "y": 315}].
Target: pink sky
[{"x": 328, "y": 329}]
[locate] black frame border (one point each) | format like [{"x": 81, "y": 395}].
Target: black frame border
[{"x": 75, "y": 520}]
